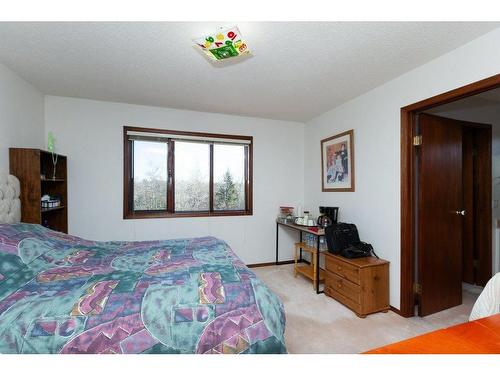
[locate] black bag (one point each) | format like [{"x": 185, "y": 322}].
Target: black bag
[
  {"x": 358, "y": 250},
  {"x": 340, "y": 236},
  {"x": 343, "y": 239}
]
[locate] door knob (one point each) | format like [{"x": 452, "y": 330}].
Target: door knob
[{"x": 462, "y": 212}]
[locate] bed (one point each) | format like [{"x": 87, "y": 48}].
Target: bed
[
  {"x": 488, "y": 302},
  {"x": 63, "y": 294}
]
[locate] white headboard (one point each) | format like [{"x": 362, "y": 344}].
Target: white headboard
[{"x": 10, "y": 204}]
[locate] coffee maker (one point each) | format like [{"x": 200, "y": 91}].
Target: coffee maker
[{"x": 327, "y": 216}]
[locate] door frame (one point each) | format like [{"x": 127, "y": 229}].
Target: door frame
[{"x": 408, "y": 122}]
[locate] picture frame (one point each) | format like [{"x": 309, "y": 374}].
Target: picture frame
[{"x": 337, "y": 162}]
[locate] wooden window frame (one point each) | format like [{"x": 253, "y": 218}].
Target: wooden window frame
[{"x": 128, "y": 183}]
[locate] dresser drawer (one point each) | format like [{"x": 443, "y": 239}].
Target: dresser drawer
[
  {"x": 343, "y": 269},
  {"x": 343, "y": 286},
  {"x": 356, "y": 307}
]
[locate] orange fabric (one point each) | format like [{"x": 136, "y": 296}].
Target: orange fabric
[{"x": 477, "y": 337}]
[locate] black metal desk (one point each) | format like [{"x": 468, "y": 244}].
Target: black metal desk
[{"x": 302, "y": 229}]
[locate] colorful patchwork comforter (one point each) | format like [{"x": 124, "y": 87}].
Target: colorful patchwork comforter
[{"x": 63, "y": 294}]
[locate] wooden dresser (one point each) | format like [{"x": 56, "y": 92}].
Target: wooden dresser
[{"x": 361, "y": 284}]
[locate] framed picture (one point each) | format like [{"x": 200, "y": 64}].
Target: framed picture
[{"x": 337, "y": 162}]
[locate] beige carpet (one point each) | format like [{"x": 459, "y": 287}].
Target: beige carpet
[{"x": 319, "y": 324}]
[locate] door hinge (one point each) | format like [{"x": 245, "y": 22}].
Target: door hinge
[
  {"x": 417, "y": 288},
  {"x": 417, "y": 140}
]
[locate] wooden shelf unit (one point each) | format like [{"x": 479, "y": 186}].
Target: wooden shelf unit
[
  {"x": 309, "y": 249},
  {"x": 28, "y": 165},
  {"x": 309, "y": 270},
  {"x": 53, "y": 209},
  {"x": 52, "y": 180}
]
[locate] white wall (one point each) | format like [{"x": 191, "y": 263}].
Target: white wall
[
  {"x": 375, "y": 118},
  {"x": 21, "y": 115},
  {"x": 90, "y": 133}
]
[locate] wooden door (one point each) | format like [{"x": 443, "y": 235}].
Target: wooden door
[
  {"x": 440, "y": 209},
  {"x": 477, "y": 240},
  {"x": 482, "y": 204},
  {"x": 468, "y": 245}
]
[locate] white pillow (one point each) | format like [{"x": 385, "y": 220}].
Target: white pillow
[
  {"x": 488, "y": 302},
  {"x": 10, "y": 204}
]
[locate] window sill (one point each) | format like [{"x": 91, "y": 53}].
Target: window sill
[{"x": 168, "y": 215}]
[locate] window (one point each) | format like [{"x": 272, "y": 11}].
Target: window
[
  {"x": 150, "y": 175},
  {"x": 192, "y": 177},
  {"x": 229, "y": 177},
  {"x": 175, "y": 174}
]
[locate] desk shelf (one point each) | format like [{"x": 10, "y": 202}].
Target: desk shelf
[
  {"x": 307, "y": 271},
  {"x": 309, "y": 249},
  {"x": 312, "y": 271},
  {"x": 301, "y": 246}
]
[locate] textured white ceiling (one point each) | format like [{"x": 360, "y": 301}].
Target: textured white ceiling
[{"x": 298, "y": 70}]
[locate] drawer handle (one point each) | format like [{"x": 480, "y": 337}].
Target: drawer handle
[
  {"x": 339, "y": 285},
  {"x": 339, "y": 268}
]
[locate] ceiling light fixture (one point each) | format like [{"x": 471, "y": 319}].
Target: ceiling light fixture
[{"x": 223, "y": 44}]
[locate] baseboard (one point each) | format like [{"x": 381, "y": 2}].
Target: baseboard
[
  {"x": 255, "y": 265},
  {"x": 281, "y": 262}
]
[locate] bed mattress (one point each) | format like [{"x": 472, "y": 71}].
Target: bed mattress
[{"x": 64, "y": 294}]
